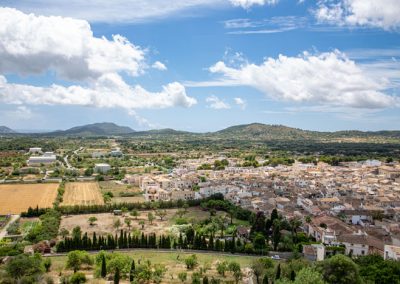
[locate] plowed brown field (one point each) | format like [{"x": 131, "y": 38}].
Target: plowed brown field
[{"x": 17, "y": 198}]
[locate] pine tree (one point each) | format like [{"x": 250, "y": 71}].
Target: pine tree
[{"x": 103, "y": 267}]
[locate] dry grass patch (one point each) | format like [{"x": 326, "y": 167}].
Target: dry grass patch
[
  {"x": 17, "y": 198},
  {"x": 82, "y": 193}
]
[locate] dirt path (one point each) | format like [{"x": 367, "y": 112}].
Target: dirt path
[{"x": 3, "y": 231}]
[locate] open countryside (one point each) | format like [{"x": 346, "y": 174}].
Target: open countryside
[
  {"x": 82, "y": 193},
  {"x": 17, "y": 198}
]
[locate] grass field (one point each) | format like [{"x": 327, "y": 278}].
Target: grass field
[
  {"x": 17, "y": 198},
  {"x": 118, "y": 190},
  {"x": 82, "y": 193},
  {"x": 174, "y": 262}
]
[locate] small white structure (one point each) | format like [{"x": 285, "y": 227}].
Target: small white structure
[
  {"x": 392, "y": 252},
  {"x": 116, "y": 152},
  {"x": 102, "y": 168},
  {"x": 35, "y": 150},
  {"x": 49, "y": 154}
]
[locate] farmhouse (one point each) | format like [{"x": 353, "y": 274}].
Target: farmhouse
[{"x": 102, "y": 168}]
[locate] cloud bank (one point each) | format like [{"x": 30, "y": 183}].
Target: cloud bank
[{"x": 328, "y": 78}]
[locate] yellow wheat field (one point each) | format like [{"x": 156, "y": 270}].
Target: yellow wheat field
[
  {"x": 17, "y": 198},
  {"x": 82, "y": 193}
]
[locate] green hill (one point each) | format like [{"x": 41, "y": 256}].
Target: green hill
[{"x": 95, "y": 129}]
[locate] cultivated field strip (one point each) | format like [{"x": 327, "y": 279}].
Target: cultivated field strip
[
  {"x": 17, "y": 198},
  {"x": 82, "y": 193}
]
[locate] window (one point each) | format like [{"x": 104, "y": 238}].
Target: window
[{"x": 362, "y": 252}]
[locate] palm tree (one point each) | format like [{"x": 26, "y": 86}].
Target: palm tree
[{"x": 295, "y": 223}]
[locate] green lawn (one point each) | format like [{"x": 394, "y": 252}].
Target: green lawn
[{"x": 173, "y": 261}]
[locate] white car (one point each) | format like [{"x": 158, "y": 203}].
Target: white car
[{"x": 277, "y": 257}]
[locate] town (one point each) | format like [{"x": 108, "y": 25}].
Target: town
[{"x": 104, "y": 187}]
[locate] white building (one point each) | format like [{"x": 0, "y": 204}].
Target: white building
[
  {"x": 392, "y": 252},
  {"x": 116, "y": 152},
  {"x": 47, "y": 158},
  {"x": 35, "y": 150},
  {"x": 102, "y": 168}
]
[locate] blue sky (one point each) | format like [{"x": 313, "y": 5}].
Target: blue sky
[{"x": 200, "y": 65}]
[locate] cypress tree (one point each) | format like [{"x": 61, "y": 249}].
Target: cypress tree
[
  {"x": 132, "y": 271},
  {"x": 94, "y": 243},
  {"x": 205, "y": 280},
  {"x": 265, "y": 279},
  {"x": 292, "y": 275},
  {"x": 278, "y": 272},
  {"x": 116, "y": 276},
  {"x": 211, "y": 243},
  {"x": 103, "y": 267}
]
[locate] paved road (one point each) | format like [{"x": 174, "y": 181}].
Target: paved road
[
  {"x": 3, "y": 231},
  {"x": 66, "y": 162},
  {"x": 66, "y": 158}
]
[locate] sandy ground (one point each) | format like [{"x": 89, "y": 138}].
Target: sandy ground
[
  {"x": 17, "y": 198},
  {"x": 105, "y": 223}
]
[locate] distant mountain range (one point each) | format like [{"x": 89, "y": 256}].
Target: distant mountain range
[
  {"x": 253, "y": 131},
  {"x": 6, "y": 130}
]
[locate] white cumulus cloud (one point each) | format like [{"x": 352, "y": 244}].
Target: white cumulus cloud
[
  {"x": 327, "y": 78},
  {"x": 217, "y": 103},
  {"x": 159, "y": 66},
  {"x": 33, "y": 44},
  {"x": 382, "y": 14},
  {"x": 240, "y": 102},
  {"x": 106, "y": 92},
  {"x": 246, "y": 4}
]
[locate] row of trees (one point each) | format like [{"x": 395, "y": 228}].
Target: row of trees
[
  {"x": 85, "y": 209},
  {"x": 190, "y": 240},
  {"x": 121, "y": 241}
]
